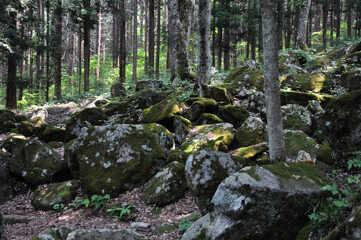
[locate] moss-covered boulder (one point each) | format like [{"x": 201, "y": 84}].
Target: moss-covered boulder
[
  {"x": 303, "y": 98},
  {"x": 251, "y": 132},
  {"x": 296, "y": 117},
  {"x": 341, "y": 124},
  {"x": 314, "y": 107},
  {"x": 196, "y": 110},
  {"x": 164, "y": 137},
  {"x": 181, "y": 127},
  {"x": 350, "y": 61},
  {"x": 117, "y": 90},
  {"x": 295, "y": 141},
  {"x": 351, "y": 80},
  {"x": 208, "y": 118},
  {"x": 256, "y": 102},
  {"x": 37, "y": 163},
  {"x": 211, "y": 104},
  {"x": 70, "y": 158},
  {"x": 251, "y": 152},
  {"x": 349, "y": 229},
  {"x": 233, "y": 114},
  {"x": 240, "y": 79},
  {"x": 118, "y": 157},
  {"x": 324, "y": 154},
  {"x": 79, "y": 123},
  {"x": 152, "y": 84},
  {"x": 105, "y": 234},
  {"x": 204, "y": 171},
  {"x": 45, "y": 197},
  {"x": 219, "y": 94},
  {"x": 178, "y": 156},
  {"x": 337, "y": 53},
  {"x": 167, "y": 186},
  {"x": 13, "y": 143},
  {"x": 52, "y": 134},
  {"x": 216, "y": 137},
  {"x": 304, "y": 82},
  {"x": 268, "y": 202},
  {"x": 7, "y": 120},
  {"x": 163, "y": 112},
  {"x": 288, "y": 62},
  {"x": 31, "y": 127}
]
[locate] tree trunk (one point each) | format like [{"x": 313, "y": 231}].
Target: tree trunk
[
  {"x": 289, "y": 26},
  {"x": 99, "y": 39},
  {"x": 48, "y": 50},
  {"x": 146, "y": 36},
  {"x": 204, "y": 44},
  {"x": 158, "y": 42},
  {"x": 151, "y": 39},
  {"x": 11, "y": 101},
  {"x": 79, "y": 59},
  {"x": 338, "y": 20},
  {"x": 324, "y": 23},
  {"x": 280, "y": 18},
  {"x": 135, "y": 41},
  {"x": 349, "y": 17},
  {"x": 331, "y": 24},
  {"x": 115, "y": 35},
  {"x": 272, "y": 91},
  {"x": 214, "y": 37},
  {"x": 227, "y": 39},
  {"x": 86, "y": 5},
  {"x": 31, "y": 70},
  {"x": 122, "y": 42},
  {"x": 220, "y": 43},
  {"x": 180, "y": 22},
  {"x": 302, "y": 26},
  {"x": 57, "y": 48},
  {"x": 296, "y": 24}
]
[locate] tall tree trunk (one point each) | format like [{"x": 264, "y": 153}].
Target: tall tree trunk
[
  {"x": 99, "y": 39},
  {"x": 331, "y": 23},
  {"x": 271, "y": 81},
  {"x": 146, "y": 36},
  {"x": 338, "y": 20},
  {"x": 86, "y": 27},
  {"x": 324, "y": 23},
  {"x": 280, "y": 19},
  {"x": 214, "y": 37},
  {"x": 31, "y": 69},
  {"x": 158, "y": 42},
  {"x": 135, "y": 41},
  {"x": 180, "y": 22},
  {"x": 296, "y": 24},
  {"x": 48, "y": 50},
  {"x": 79, "y": 59},
  {"x": 57, "y": 48},
  {"x": 151, "y": 39},
  {"x": 349, "y": 17},
  {"x": 204, "y": 44},
  {"x": 115, "y": 37},
  {"x": 141, "y": 23},
  {"x": 309, "y": 28},
  {"x": 227, "y": 39},
  {"x": 302, "y": 26},
  {"x": 11, "y": 101},
  {"x": 122, "y": 42},
  {"x": 260, "y": 39},
  {"x": 220, "y": 44},
  {"x": 288, "y": 25}
]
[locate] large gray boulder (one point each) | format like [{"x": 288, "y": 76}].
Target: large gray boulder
[
  {"x": 296, "y": 141},
  {"x": 250, "y": 133},
  {"x": 104, "y": 234},
  {"x": 36, "y": 162},
  {"x": 118, "y": 157},
  {"x": 204, "y": 171},
  {"x": 269, "y": 202},
  {"x": 296, "y": 117},
  {"x": 341, "y": 124}
]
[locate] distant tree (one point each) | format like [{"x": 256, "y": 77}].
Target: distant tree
[
  {"x": 57, "y": 47},
  {"x": 302, "y": 26},
  {"x": 135, "y": 41},
  {"x": 204, "y": 44},
  {"x": 151, "y": 39},
  {"x": 271, "y": 81},
  {"x": 86, "y": 29}
]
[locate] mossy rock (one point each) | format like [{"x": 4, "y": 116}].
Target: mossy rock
[
  {"x": 303, "y": 98},
  {"x": 296, "y": 117},
  {"x": 351, "y": 80},
  {"x": 115, "y": 107},
  {"x": 163, "y": 111},
  {"x": 45, "y": 197},
  {"x": 7, "y": 120},
  {"x": 350, "y": 61},
  {"x": 304, "y": 82},
  {"x": 212, "y": 137},
  {"x": 117, "y": 90},
  {"x": 337, "y": 53},
  {"x": 240, "y": 78},
  {"x": 167, "y": 186},
  {"x": 181, "y": 127},
  {"x": 349, "y": 229},
  {"x": 37, "y": 163},
  {"x": 250, "y": 152},
  {"x": 31, "y": 127},
  {"x": 163, "y": 136},
  {"x": 116, "y": 158},
  {"x": 341, "y": 125},
  {"x": 250, "y": 133},
  {"x": 211, "y": 104},
  {"x": 70, "y": 157},
  {"x": 233, "y": 114},
  {"x": 288, "y": 62},
  {"x": 178, "y": 156},
  {"x": 219, "y": 94},
  {"x": 50, "y": 134},
  {"x": 196, "y": 110},
  {"x": 208, "y": 118},
  {"x": 324, "y": 154},
  {"x": 14, "y": 142},
  {"x": 295, "y": 141}
]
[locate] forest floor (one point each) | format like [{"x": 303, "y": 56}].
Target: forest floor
[{"x": 23, "y": 222}]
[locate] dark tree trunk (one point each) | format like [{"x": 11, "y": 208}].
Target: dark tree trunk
[
  {"x": 79, "y": 59},
  {"x": 135, "y": 41},
  {"x": 289, "y": 26},
  {"x": 11, "y": 101},
  {"x": 57, "y": 48},
  {"x": 220, "y": 43},
  {"x": 48, "y": 50},
  {"x": 227, "y": 40},
  {"x": 158, "y": 41},
  {"x": 214, "y": 37},
  {"x": 86, "y": 5},
  {"x": 151, "y": 39},
  {"x": 349, "y": 17},
  {"x": 115, "y": 35},
  {"x": 280, "y": 19},
  {"x": 122, "y": 42},
  {"x": 324, "y": 23}
]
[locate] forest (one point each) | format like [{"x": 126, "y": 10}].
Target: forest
[{"x": 180, "y": 119}]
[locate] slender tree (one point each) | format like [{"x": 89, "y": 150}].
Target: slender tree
[
  {"x": 151, "y": 39},
  {"x": 135, "y": 41},
  {"x": 57, "y": 47},
  {"x": 302, "y": 26},
  {"x": 158, "y": 40},
  {"x": 272, "y": 91}
]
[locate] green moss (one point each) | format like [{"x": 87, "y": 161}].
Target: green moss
[
  {"x": 210, "y": 104},
  {"x": 179, "y": 156},
  {"x": 208, "y": 118},
  {"x": 324, "y": 154},
  {"x": 50, "y": 133},
  {"x": 251, "y": 171},
  {"x": 303, "y": 98},
  {"x": 305, "y": 232},
  {"x": 250, "y": 78},
  {"x": 251, "y": 151},
  {"x": 318, "y": 82},
  {"x": 162, "y": 111},
  {"x": 234, "y": 114},
  {"x": 219, "y": 94}
]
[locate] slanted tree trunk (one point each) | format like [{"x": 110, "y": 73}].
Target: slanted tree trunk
[
  {"x": 180, "y": 20},
  {"x": 135, "y": 41},
  {"x": 57, "y": 48},
  {"x": 11, "y": 101},
  {"x": 204, "y": 44},
  {"x": 302, "y": 26},
  {"x": 86, "y": 5},
  {"x": 272, "y": 91}
]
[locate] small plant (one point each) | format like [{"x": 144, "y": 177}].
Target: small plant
[
  {"x": 57, "y": 206},
  {"x": 123, "y": 211},
  {"x": 186, "y": 222},
  {"x": 156, "y": 210},
  {"x": 95, "y": 201}
]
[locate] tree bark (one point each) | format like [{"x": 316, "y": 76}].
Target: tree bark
[
  {"x": 272, "y": 91},
  {"x": 280, "y": 19},
  {"x": 349, "y": 17},
  {"x": 151, "y": 39},
  {"x": 158, "y": 42},
  {"x": 220, "y": 44},
  {"x": 122, "y": 42},
  {"x": 11, "y": 101},
  {"x": 324, "y": 23},
  {"x": 99, "y": 39},
  {"x": 227, "y": 40},
  {"x": 302, "y": 26},
  {"x": 79, "y": 59},
  {"x": 48, "y": 51},
  {"x": 86, "y": 5},
  {"x": 204, "y": 44},
  {"x": 135, "y": 41}
]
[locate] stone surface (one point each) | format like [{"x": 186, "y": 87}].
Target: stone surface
[
  {"x": 213, "y": 137},
  {"x": 296, "y": 117},
  {"x": 295, "y": 141},
  {"x": 118, "y": 157},
  {"x": 351, "y": 80},
  {"x": 104, "y": 234},
  {"x": 303, "y": 98},
  {"x": 303, "y": 82},
  {"x": 208, "y": 118},
  {"x": 7, "y": 120},
  {"x": 181, "y": 127},
  {"x": 52, "y": 134},
  {"x": 167, "y": 186},
  {"x": 163, "y": 136},
  {"x": 250, "y": 133},
  {"x": 163, "y": 111},
  {"x": 233, "y": 114},
  {"x": 196, "y": 110},
  {"x": 244, "y": 78},
  {"x": 204, "y": 171}
]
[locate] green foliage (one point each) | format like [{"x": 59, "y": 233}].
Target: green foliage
[
  {"x": 356, "y": 162},
  {"x": 186, "y": 222},
  {"x": 96, "y": 201},
  {"x": 156, "y": 210},
  {"x": 57, "y": 206},
  {"x": 122, "y": 211}
]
